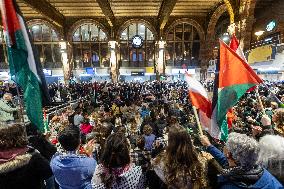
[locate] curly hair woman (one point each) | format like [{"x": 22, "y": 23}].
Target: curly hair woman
[
  {"x": 116, "y": 171},
  {"x": 278, "y": 119},
  {"x": 180, "y": 166}
]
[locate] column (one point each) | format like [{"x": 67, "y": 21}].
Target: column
[
  {"x": 160, "y": 66},
  {"x": 113, "y": 62},
  {"x": 65, "y": 61}
]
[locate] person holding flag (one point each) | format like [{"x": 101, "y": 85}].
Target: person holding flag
[
  {"x": 25, "y": 67},
  {"x": 199, "y": 99},
  {"x": 230, "y": 87}
]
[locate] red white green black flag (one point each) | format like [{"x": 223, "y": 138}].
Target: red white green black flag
[{"x": 24, "y": 67}]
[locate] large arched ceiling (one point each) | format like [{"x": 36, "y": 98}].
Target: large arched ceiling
[{"x": 60, "y": 10}]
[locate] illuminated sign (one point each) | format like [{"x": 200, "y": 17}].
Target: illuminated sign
[
  {"x": 47, "y": 72},
  {"x": 271, "y": 26}
]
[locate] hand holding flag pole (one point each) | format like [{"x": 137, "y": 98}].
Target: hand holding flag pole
[{"x": 259, "y": 100}]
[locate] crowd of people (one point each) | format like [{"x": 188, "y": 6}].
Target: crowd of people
[
  {"x": 144, "y": 135},
  {"x": 64, "y": 93}
]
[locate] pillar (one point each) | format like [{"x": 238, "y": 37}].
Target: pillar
[
  {"x": 160, "y": 66},
  {"x": 113, "y": 61},
  {"x": 65, "y": 61}
]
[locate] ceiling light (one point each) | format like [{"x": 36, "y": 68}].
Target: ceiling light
[{"x": 259, "y": 33}]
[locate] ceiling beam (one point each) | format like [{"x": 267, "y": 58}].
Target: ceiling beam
[
  {"x": 165, "y": 11},
  {"x": 106, "y": 9},
  {"x": 46, "y": 9}
]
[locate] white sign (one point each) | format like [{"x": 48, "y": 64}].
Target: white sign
[
  {"x": 47, "y": 72},
  {"x": 182, "y": 71},
  {"x": 4, "y": 76}
]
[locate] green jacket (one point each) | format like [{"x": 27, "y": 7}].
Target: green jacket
[{"x": 6, "y": 111}]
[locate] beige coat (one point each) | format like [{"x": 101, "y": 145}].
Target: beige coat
[{"x": 6, "y": 111}]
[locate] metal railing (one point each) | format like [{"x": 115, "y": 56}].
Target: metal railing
[{"x": 59, "y": 109}]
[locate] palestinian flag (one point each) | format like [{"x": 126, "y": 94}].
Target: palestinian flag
[
  {"x": 25, "y": 68},
  {"x": 45, "y": 121},
  {"x": 233, "y": 80},
  {"x": 200, "y": 100},
  {"x": 235, "y": 46}
]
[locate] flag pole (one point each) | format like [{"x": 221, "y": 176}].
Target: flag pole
[
  {"x": 274, "y": 96},
  {"x": 20, "y": 103},
  {"x": 7, "y": 39},
  {"x": 197, "y": 120},
  {"x": 259, "y": 100}
]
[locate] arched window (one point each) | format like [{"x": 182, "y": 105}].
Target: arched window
[
  {"x": 3, "y": 58},
  {"x": 183, "y": 46},
  {"x": 137, "y": 57},
  {"x": 90, "y": 46},
  {"x": 222, "y": 26},
  {"x": 46, "y": 42}
]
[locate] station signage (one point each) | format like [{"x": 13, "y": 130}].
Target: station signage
[
  {"x": 137, "y": 73},
  {"x": 47, "y": 72}
]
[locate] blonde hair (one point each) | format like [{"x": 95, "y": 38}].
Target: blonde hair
[{"x": 279, "y": 114}]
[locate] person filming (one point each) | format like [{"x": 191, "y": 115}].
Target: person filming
[{"x": 7, "y": 109}]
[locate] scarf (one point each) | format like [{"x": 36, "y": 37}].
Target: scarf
[{"x": 11, "y": 154}]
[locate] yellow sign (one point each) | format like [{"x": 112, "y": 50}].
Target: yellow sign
[
  {"x": 150, "y": 69},
  {"x": 260, "y": 54}
]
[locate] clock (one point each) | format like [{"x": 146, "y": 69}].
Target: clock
[{"x": 137, "y": 41}]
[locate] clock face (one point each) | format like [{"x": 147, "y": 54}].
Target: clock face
[{"x": 137, "y": 41}]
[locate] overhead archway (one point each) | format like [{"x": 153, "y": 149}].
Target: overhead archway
[
  {"x": 46, "y": 40},
  {"x": 185, "y": 43},
  {"x": 131, "y": 56},
  {"x": 89, "y": 41},
  {"x": 210, "y": 36}
]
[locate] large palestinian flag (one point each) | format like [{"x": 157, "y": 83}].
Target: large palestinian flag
[
  {"x": 233, "y": 80},
  {"x": 25, "y": 68}
]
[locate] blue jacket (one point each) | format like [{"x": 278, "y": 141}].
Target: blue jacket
[
  {"x": 73, "y": 171},
  {"x": 144, "y": 113},
  {"x": 149, "y": 140},
  {"x": 218, "y": 155},
  {"x": 266, "y": 181}
]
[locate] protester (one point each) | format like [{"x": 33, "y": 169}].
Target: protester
[
  {"x": 78, "y": 118},
  {"x": 70, "y": 169},
  {"x": 242, "y": 153},
  {"x": 139, "y": 155},
  {"x": 116, "y": 170},
  {"x": 7, "y": 108},
  {"x": 149, "y": 137},
  {"x": 180, "y": 166},
  {"x": 278, "y": 119},
  {"x": 20, "y": 166},
  {"x": 271, "y": 155},
  {"x": 153, "y": 121}
]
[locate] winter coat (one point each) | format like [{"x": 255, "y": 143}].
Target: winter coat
[
  {"x": 256, "y": 178},
  {"x": 27, "y": 171},
  {"x": 218, "y": 156},
  {"x": 73, "y": 171},
  {"x": 6, "y": 111},
  {"x": 276, "y": 168}
]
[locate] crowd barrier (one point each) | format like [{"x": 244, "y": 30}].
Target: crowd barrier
[{"x": 57, "y": 110}]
